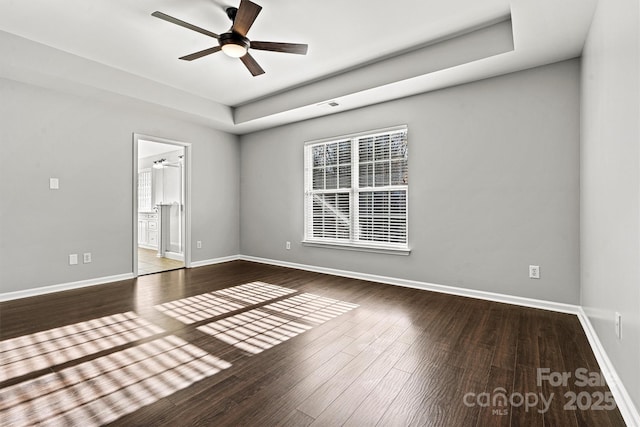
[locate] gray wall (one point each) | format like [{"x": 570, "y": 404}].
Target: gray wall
[
  {"x": 493, "y": 186},
  {"x": 610, "y": 184},
  {"x": 86, "y": 142}
]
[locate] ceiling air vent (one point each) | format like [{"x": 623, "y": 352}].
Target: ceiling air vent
[{"x": 329, "y": 103}]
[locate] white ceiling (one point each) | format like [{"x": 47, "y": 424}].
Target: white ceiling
[{"x": 116, "y": 46}]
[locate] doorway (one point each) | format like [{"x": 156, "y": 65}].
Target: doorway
[{"x": 161, "y": 205}]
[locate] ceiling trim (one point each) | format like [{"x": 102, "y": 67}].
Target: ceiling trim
[{"x": 491, "y": 39}]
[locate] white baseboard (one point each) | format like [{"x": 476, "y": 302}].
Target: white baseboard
[
  {"x": 625, "y": 404},
  {"x": 8, "y": 296},
  {"x": 214, "y": 261},
  {"x": 623, "y": 400},
  {"x": 489, "y": 296},
  {"x": 174, "y": 256}
]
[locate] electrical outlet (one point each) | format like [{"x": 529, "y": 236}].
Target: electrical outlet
[
  {"x": 199, "y": 244},
  {"x": 73, "y": 259},
  {"x": 618, "y": 325},
  {"x": 54, "y": 183},
  {"x": 288, "y": 245},
  {"x": 534, "y": 272},
  {"x": 86, "y": 257}
]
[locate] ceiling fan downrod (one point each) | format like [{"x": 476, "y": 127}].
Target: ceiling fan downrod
[{"x": 231, "y": 13}]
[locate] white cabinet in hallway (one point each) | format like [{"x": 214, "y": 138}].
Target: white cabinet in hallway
[{"x": 148, "y": 230}]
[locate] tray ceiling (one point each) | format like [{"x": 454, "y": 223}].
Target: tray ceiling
[{"x": 116, "y": 46}]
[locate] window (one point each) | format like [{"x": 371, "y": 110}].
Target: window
[
  {"x": 356, "y": 190},
  {"x": 144, "y": 190}
]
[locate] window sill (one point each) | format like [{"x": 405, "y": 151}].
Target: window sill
[{"x": 359, "y": 248}]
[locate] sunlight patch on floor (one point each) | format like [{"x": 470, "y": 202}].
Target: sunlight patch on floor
[
  {"x": 101, "y": 390},
  {"x": 255, "y": 292},
  {"x": 310, "y": 307},
  {"x": 254, "y": 331},
  {"x": 41, "y": 350},
  {"x": 104, "y": 389},
  {"x": 257, "y": 330},
  {"x": 197, "y": 308},
  {"x": 205, "y": 306}
]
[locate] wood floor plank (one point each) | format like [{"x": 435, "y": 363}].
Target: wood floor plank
[
  {"x": 328, "y": 392},
  {"x": 311, "y": 348},
  {"x": 527, "y": 352},
  {"x": 554, "y": 412},
  {"x": 474, "y": 378},
  {"x": 506, "y": 345},
  {"x": 423, "y": 399},
  {"x": 423, "y": 350},
  {"x": 155, "y": 413},
  {"x": 497, "y": 411},
  {"x": 345, "y": 404},
  {"x": 365, "y": 340},
  {"x": 296, "y": 419},
  {"x": 581, "y": 363},
  {"x": 282, "y": 403},
  {"x": 525, "y": 383},
  {"x": 376, "y": 403},
  {"x": 314, "y": 362},
  {"x": 401, "y": 357}
]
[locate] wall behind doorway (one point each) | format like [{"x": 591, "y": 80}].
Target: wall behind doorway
[{"x": 86, "y": 141}]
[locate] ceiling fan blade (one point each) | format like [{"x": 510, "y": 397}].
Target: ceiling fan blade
[
  {"x": 247, "y": 13},
  {"x": 297, "y": 48},
  {"x": 252, "y": 65},
  {"x": 180, "y": 22},
  {"x": 200, "y": 54}
]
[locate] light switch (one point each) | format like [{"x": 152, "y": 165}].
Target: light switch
[{"x": 54, "y": 183}]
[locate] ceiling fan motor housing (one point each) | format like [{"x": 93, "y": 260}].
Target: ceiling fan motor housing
[{"x": 233, "y": 38}]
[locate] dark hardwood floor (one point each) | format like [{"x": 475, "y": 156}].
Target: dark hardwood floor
[{"x": 290, "y": 348}]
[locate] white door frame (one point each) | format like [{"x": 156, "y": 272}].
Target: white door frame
[{"x": 187, "y": 195}]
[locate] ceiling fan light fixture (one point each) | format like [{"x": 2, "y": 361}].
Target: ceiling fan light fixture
[
  {"x": 234, "y": 50},
  {"x": 234, "y": 45}
]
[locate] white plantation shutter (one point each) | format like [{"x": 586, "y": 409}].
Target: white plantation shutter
[
  {"x": 356, "y": 190},
  {"x": 328, "y": 186}
]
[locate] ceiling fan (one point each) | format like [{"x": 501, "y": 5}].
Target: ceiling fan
[{"x": 234, "y": 42}]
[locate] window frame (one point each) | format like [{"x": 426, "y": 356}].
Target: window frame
[
  {"x": 353, "y": 242},
  {"x": 145, "y": 190}
]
